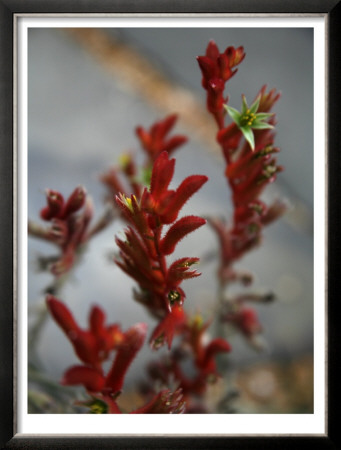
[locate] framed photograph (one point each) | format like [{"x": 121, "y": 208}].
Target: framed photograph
[{"x": 141, "y": 141}]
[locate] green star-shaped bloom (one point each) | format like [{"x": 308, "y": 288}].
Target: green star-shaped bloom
[{"x": 248, "y": 119}]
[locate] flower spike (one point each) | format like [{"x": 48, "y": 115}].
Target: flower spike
[{"x": 143, "y": 253}]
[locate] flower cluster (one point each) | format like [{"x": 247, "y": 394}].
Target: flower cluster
[
  {"x": 150, "y": 209},
  {"x": 145, "y": 248},
  {"x": 94, "y": 347},
  {"x": 127, "y": 178},
  {"x": 69, "y": 226},
  {"x": 155, "y": 140},
  {"x": 217, "y": 68}
]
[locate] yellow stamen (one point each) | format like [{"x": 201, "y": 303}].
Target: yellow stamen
[{"x": 128, "y": 201}]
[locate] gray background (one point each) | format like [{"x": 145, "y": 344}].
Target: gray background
[{"x": 80, "y": 119}]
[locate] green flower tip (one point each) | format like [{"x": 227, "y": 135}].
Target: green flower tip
[{"x": 248, "y": 119}]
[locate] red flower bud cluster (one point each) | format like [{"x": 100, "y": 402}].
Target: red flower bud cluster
[
  {"x": 69, "y": 225},
  {"x": 125, "y": 177},
  {"x": 146, "y": 245},
  {"x": 217, "y": 68},
  {"x": 155, "y": 140},
  {"x": 94, "y": 347}
]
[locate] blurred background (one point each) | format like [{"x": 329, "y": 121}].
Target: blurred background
[{"x": 87, "y": 91}]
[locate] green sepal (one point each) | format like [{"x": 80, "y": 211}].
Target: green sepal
[
  {"x": 248, "y": 134},
  {"x": 234, "y": 113},
  {"x": 261, "y": 125},
  {"x": 263, "y": 116},
  {"x": 255, "y": 105}
]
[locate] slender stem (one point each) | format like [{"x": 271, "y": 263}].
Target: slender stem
[
  {"x": 54, "y": 288},
  {"x": 36, "y": 329}
]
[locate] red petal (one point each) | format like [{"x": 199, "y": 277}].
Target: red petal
[
  {"x": 62, "y": 315},
  {"x": 267, "y": 100},
  {"x": 212, "y": 50},
  {"x": 132, "y": 342},
  {"x": 144, "y": 137},
  {"x": 162, "y": 174},
  {"x": 178, "y": 231},
  {"x": 224, "y": 68},
  {"x": 96, "y": 320},
  {"x": 83, "y": 342},
  {"x": 208, "y": 69},
  {"x": 85, "y": 346},
  {"x": 134, "y": 249},
  {"x": 166, "y": 125},
  {"x": 75, "y": 201},
  {"x": 235, "y": 55},
  {"x": 174, "y": 142},
  {"x": 90, "y": 378},
  {"x": 187, "y": 188},
  {"x": 180, "y": 270},
  {"x": 167, "y": 327},
  {"x": 55, "y": 204}
]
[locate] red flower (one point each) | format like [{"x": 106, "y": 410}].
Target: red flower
[
  {"x": 132, "y": 341},
  {"x": 126, "y": 177},
  {"x": 168, "y": 326},
  {"x": 69, "y": 226},
  {"x": 178, "y": 231},
  {"x": 94, "y": 346},
  {"x": 217, "y": 68},
  {"x": 219, "y": 65},
  {"x": 57, "y": 208},
  {"x": 154, "y": 141}
]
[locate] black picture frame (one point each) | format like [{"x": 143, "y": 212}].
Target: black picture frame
[{"x": 8, "y": 9}]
